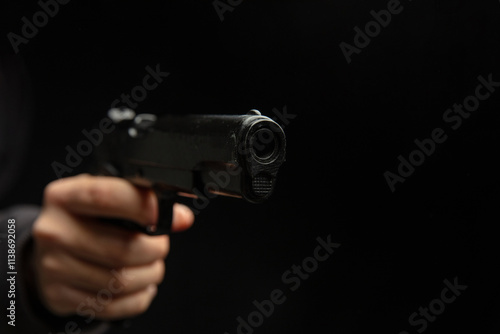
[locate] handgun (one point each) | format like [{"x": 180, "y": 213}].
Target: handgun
[{"x": 199, "y": 156}]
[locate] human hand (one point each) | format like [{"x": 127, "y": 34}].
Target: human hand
[{"x": 85, "y": 267}]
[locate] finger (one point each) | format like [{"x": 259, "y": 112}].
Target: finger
[
  {"x": 59, "y": 266},
  {"x": 102, "y": 196},
  {"x": 183, "y": 218},
  {"x": 130, "y": 305},
  {"x": 91, "y": 241},
  {"x": 64, "y": 300}
]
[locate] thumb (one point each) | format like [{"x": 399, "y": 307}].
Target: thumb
[{"x": 183, "y": 217}]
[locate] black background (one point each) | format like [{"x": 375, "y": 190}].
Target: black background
[{"x": 352, "y": 122}]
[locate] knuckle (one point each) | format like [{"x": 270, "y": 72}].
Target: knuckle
[
  {"x": 99, "y": 195},
  {"x": 143, "y": 303},
  {"x": 52, "y": 192},
  {"x": 44, "y": 233},
  {"x": 160, "y": 272},
  {"x": 161, "y": 247},
  {"x": 39, "y": 232},
  {"x": 132, "y": 307},
  {"x": 140, "y": 304}
]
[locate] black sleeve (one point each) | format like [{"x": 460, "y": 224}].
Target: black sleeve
[{"x": 17, "y": 277}]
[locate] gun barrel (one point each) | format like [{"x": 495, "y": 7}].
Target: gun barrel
[{"x": 234, "y": 155}]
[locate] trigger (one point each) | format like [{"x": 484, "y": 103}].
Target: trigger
[{"x": 166, "y": 200}]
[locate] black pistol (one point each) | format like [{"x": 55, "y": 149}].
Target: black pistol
[{"x": 194, "y": 155}]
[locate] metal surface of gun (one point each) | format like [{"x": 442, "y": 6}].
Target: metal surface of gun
[{"x": 198, "y": 155}]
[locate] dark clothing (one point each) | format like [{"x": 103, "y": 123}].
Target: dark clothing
[
  {"x": 15, "y": 120},
  {"x": 354, "y": 122}
]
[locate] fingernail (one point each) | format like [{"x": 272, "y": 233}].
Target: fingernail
[
  {"x": 185, "y": 211},
  {"x": 182, "y": 208}
]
